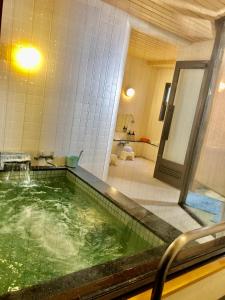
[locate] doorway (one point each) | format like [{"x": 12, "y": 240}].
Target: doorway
[
  {"x": 181, "y": 122},
  {"x": 145, "y": 92},
  {"x": 148, "y": 92}
]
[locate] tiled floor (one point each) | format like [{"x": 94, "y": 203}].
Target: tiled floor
[{"x": 135, "y": 179}]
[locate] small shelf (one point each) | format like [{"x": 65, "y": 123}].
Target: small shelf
[{"x": 136, "y": 141}]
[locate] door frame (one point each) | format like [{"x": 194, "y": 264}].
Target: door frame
[
  {"x": 174, "y": 173},
  {"x": 1, "y": 8}
]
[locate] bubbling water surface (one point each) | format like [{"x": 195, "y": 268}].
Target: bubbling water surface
[{"x": 49, "y": 228}]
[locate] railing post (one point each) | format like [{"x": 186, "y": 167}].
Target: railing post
[{"x": 172, "y": 251}]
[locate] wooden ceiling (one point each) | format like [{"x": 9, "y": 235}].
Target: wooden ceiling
[
  {"x": 189, "y": 19},
  {"x": 151, "y": 49}
]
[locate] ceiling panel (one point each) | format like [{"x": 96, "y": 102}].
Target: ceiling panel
[
  {"x": 190, "y": 19},
  {"x": 151, "y": 49}
]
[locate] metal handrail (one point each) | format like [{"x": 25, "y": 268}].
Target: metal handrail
[{"x": 172, "y": 251}]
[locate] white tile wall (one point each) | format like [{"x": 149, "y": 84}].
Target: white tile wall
[{"x": 71, "y": 103}]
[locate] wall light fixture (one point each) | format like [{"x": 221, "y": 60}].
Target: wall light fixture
[
  {"x": 27, "y": 58},
  {"x": 130, "y": 92},
  {"x": 221, "y": 86}
]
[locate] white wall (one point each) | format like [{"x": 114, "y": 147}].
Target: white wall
[
  {"x": 154, "y": 126},
  {"x": 196, "y": 51},
  {"x": 71, "y": 103},
  {"x": 149, "y": 83},
  {"x": 140, "y": 76}
]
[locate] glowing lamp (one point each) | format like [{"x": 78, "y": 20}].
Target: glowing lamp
[
  {"x": 27, "y": 58},
  {"x": 221, "y": 86},
  {"x": 130, "y": 92}
]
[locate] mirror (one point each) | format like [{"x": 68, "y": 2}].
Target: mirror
[{"x": 165, "y": 101}]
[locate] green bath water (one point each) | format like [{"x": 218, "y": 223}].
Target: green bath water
[{"x": 50, "y": 227}]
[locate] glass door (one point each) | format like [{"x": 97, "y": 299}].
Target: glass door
[
  {"x": 181, "y": 119},
  {"x": 206, "y": 194}
]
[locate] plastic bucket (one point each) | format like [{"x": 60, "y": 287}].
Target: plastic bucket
[{"x": 72, "y": 161}]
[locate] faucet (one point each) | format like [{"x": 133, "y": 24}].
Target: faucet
[
  {"x": 46, "y": 157},
  {"x": 42, "y": 156},
  {"x": 14, "y": 158}
]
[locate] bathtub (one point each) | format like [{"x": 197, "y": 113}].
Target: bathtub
[{"x": 121, "y": 259}]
